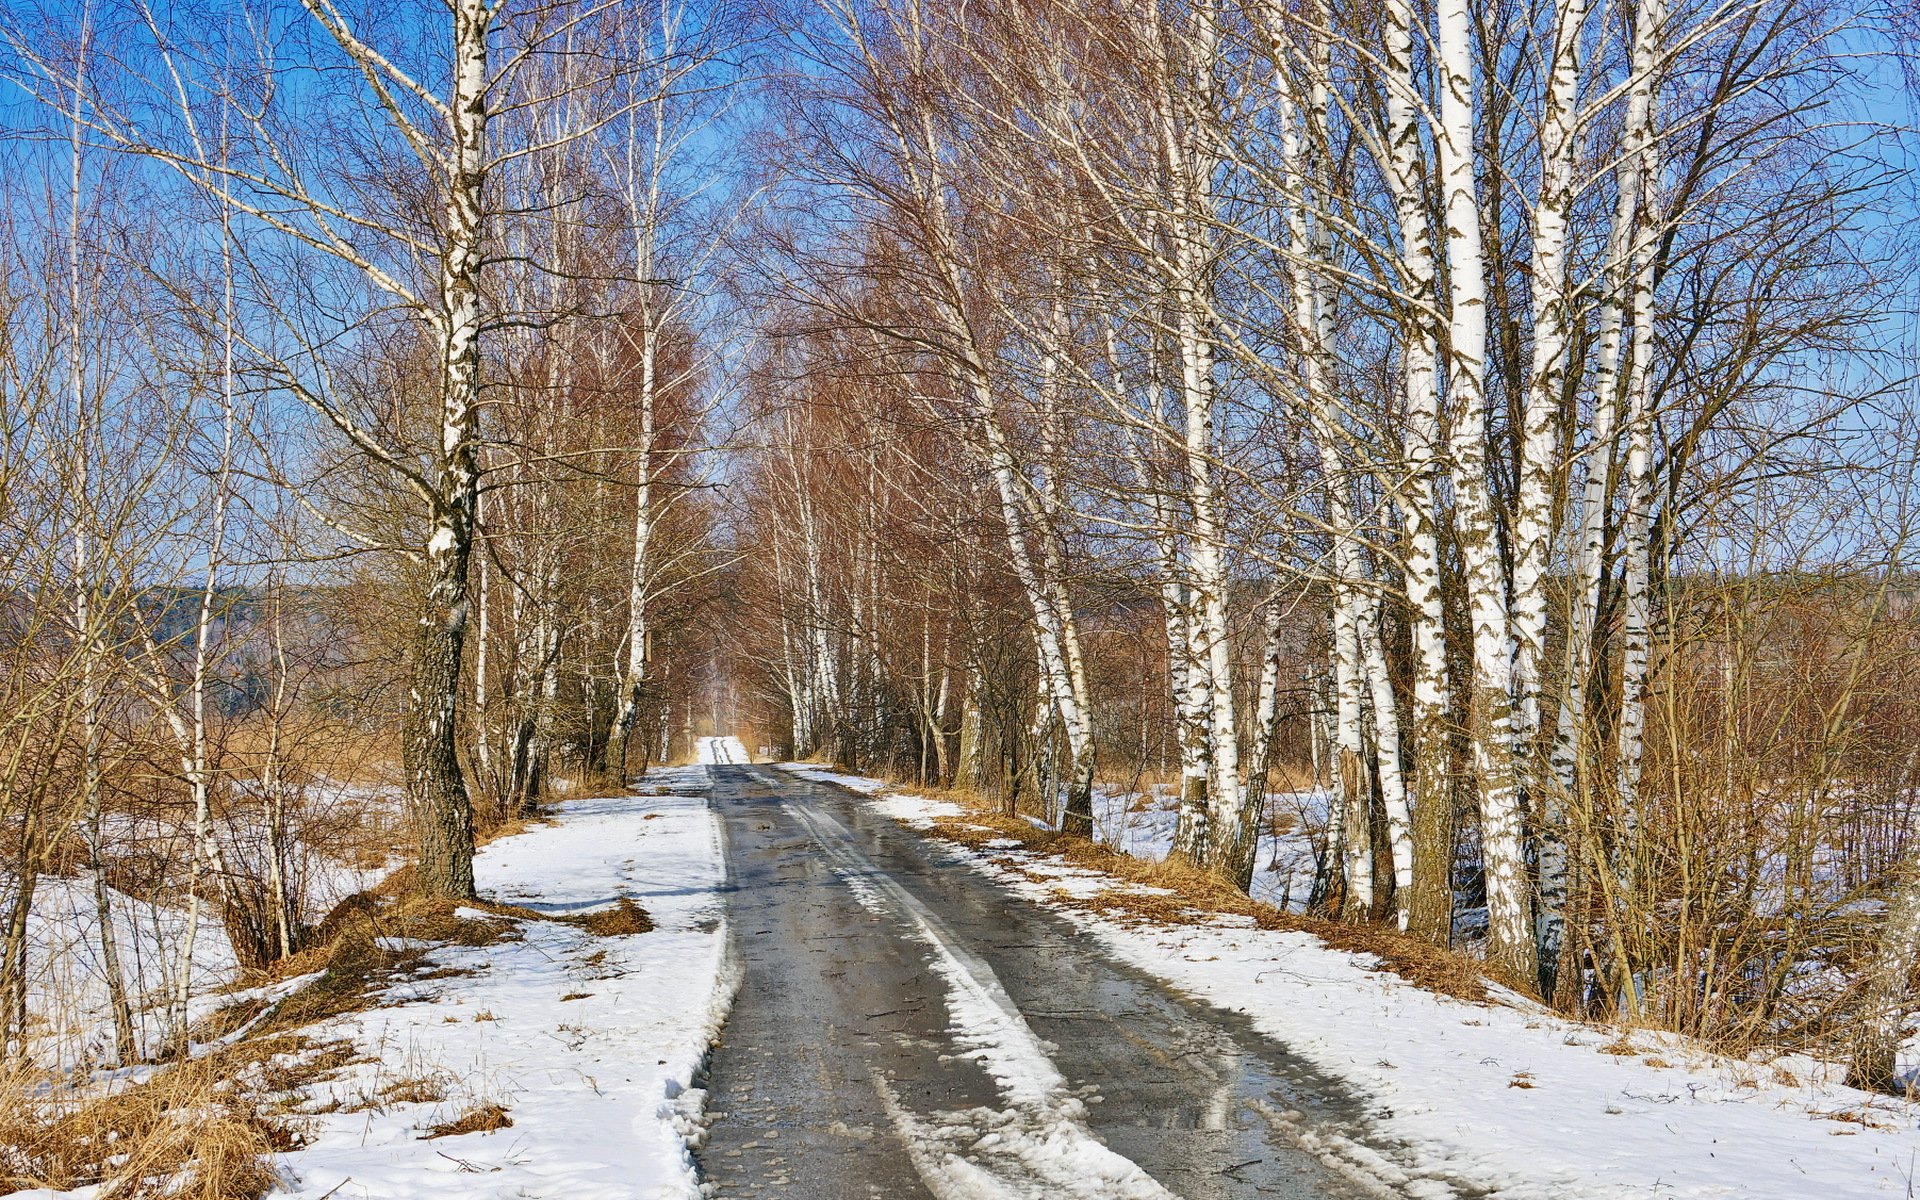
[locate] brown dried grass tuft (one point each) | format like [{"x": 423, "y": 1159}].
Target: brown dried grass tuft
[
  {"x": 481, "y": 1118},
  {"x": 625, "y": 917},
  {"x": 189, "y": 1133},
  {"x": 356, "y": 960},
  {"x": 416, "y": 1090}
]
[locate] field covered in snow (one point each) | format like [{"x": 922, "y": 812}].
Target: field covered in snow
[{"x": 1506, "y": 1095}]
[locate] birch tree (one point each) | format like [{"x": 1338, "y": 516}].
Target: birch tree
[{"x": 435, "y": 269}]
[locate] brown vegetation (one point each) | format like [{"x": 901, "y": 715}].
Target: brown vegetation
[
  {"x": 481, "y": 1118},
  {"x": 1176, "y": 894},
  {"x": 624, "y": 918}
]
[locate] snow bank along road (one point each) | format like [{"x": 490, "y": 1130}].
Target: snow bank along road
[
  {"x": 589, "y": 1044},
  {"x": 907, "y": 1030}
]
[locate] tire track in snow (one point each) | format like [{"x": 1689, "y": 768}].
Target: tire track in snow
[{"x": 721, "y": 752}]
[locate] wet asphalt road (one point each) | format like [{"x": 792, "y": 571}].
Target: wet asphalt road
[{"x": 840, "y": 1075}]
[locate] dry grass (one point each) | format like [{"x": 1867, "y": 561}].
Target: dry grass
[
  {"x": 481, "y": 1118},
  {"x": 622, "y": 919},
  {"x": 414, "y": 1090},
  {"x": 192, "y": 1133},
  {"x": 374, "y": 946},
  {"x": 1190, "y": 896}
]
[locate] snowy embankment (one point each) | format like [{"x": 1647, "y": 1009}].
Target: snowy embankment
[
  {"x": 1141, "y": 823},
  {"x": 589, "y": 1044},
  {"x": 1502, "y": 1099}
]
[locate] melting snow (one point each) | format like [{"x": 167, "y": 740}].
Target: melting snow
[
  {"x": 591, "y": 1044},
  {"x": 1507, "y": 1099}
]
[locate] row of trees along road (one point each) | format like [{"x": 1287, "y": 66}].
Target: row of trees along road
[
  {"x": 1487, "y": 413},
  {"x": 359, "y": 383},
  {"x": 1477, "y": 428}
]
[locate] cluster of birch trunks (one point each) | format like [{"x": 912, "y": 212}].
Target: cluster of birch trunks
[{"x": 1451, "y": 355}]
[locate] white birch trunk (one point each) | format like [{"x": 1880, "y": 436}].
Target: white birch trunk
[
  {"x": 436, "y": 783},
  {"x": 1502, "y": 836},
  {"x": 86, "y": 584},
  {"x": 199, "y": 764},
  {"x": 1386, "y": 742},
  {"x": 1349, "y": 748},
  {"x": 1429, "y": 907},
  {"x": 1078, "y": 818},
  {"x": 1553, "y": 315},
  {"x": 1636, "y": 522},
  {"x": 1303, "y": 154}
]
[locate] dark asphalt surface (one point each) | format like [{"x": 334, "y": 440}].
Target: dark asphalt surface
[{"x": 841, "y": 1034}]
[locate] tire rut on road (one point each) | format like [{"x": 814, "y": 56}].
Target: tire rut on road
[{"x": 842, "y": 1034}]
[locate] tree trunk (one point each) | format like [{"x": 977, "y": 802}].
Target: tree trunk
[
  {"x": 1428, "y": 907},
  {"x": 1490, "y": 703},
  {"x": 435, "y": 783},
  {"x": 1886, "y": 998},
  {"x": 13, "y": 953}
]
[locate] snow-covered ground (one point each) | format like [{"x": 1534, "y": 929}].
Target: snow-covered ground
[
  {"x": 1505, "y": 1097},
  {"x": 67, "y": 983},
  {"x": 721, "y": 750},
  {"x": 589, "y": 1043},
  {"x": 1141, "y": 823}
]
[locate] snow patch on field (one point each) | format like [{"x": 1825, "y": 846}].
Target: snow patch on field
[
  {"x": 67, "y": 985},
  {"x": 591, "y": 1044},
  {"x": 1510, "y": 1098}
]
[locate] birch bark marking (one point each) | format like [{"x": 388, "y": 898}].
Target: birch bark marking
[
  {"x": 1428, "y": 910},
  {"x": 1623, "y": 248},
  {"x": 636, "y": 664},
  {"x": 1637, "y": 515},
  {"x": 435, "y": 783},
  {"x": 1077, "y": 818},
  {"x": 199, "y": 763},
  {"x": 1350, "y": 769},
  {"x": 1266, "y": 723},
  {"x": 1303, "y": 143},
  {"x": 1490, "y": 704},
  {"x": 1533, "y": 515},
  {"x": 1194, "y": 206},
  {"x": 1185, "y": 673},
  {"x": 1386, "y": 744}
]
